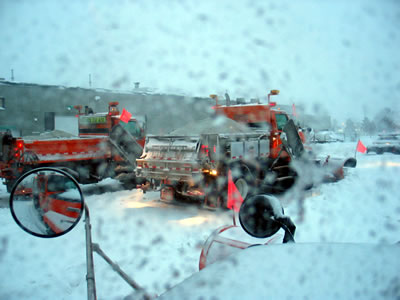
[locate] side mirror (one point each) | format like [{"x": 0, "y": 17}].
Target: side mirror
[
  {"x": 262, "y": 216},
  {"x": 46, "y": 202}
]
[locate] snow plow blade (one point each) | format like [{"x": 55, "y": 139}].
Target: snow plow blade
[
  {"x": 125, "y": 144},
  {"x": 328, "y": 169},
  {"x": 334, "y": 168}
]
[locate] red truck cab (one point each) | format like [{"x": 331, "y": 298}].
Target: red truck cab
[
  {"x": 58, "y": 210},
  {"x": 259, "y": 116},
  {"x": 102, "y": 124}
]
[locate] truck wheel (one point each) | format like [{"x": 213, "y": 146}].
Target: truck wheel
[
  {"x": 243, "y": 187},
  {"x": 215, "y": 200},
  {"x": 9, "y": 185},
  {"x": 10, "y": 182},
  {"x": 379, "y": 151},
  {"x": 127, "y": 180}
]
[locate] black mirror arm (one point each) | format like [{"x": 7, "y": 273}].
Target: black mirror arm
[
  {"x": 289, "y": 227},
  {"x": 90, "y": 277},
  {"x": 116, "y": 268}
]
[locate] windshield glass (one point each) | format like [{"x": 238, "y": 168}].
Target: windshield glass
[
  {"x": 58, "y": 183},
  {"x": 389, "y": 137},
  {"x": 133, "y": 127},
  {"x": 281, "y": 120},
  {"x": 260, "y": 125}
]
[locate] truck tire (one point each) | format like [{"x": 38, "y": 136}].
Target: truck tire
[
  {"x": 127, "y": 180},
  {"x": 10, "y": 182},
  {"x": 215, "y": 195},
  {"x": 9, "y": 185},
  {"x": 245, "y": 181},
  {"x": 242, "y": 186}
]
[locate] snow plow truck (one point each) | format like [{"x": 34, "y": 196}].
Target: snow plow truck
[
  {"x": 105, "y": 147},
  {"x": 260, "y": 146}
]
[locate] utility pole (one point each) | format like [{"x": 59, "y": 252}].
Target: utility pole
[
  {"x": 12, "y": 74},
  {"x": 90, "y": 80}
]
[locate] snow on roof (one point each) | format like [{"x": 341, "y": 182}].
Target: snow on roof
[
  {"x": 141, "y": 91},
  {"x": 216, "y": 124},
  {"x": 55, "y": 134}
]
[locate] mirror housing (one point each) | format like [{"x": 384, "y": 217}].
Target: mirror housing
[
  {"x": 46, "y": 202},
  {"x": 262, "y": 216}
]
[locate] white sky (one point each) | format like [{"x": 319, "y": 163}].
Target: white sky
[{"x": 340, "y": 56}]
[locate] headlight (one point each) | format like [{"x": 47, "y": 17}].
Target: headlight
[{"x": 213, "y": 172}]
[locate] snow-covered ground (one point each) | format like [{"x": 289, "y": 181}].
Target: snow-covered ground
[{"x": 159, "y": 244}]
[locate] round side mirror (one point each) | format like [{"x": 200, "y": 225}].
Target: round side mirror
[
  {"x": 46, "y": 202},
  {"x": 259, "y": 215}
]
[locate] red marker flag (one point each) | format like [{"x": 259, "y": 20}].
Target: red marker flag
[
  {"x": 294, "y": 110},
  {"x": 235, "y": 199},
  {"x": 360, "y": 147},
  {"x": 125, "y": 116}
]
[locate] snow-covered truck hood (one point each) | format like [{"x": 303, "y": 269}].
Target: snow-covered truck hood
[{"x": 298, "y": 271}]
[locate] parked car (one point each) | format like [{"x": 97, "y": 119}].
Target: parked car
[
  {"x": 386, "y": 143},
  {"x": 327, "y": 136}
]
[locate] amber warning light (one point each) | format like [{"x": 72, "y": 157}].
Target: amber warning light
[
  {"x": 215, "y": 97},
  {"x": 272, "y": 93}
]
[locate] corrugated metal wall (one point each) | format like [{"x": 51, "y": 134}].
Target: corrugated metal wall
[{"x": 27, "y": 105}]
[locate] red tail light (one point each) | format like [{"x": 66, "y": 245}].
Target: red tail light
[
  {"x": 276, "y": 142},
  {"x": 204, "y": 149}
]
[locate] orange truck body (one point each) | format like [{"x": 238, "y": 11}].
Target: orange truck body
[
  {"x": 91, "y": 150},
  {"x": 50, "y": 202},
  {"x": 197, "y": 165},
  {"x": 259, "y": 115},
  {"x": 66, "y": 150}
]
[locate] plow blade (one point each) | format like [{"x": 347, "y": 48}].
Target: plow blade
[
  {"x": 333, "y": 168},
  {"x": 313, "y": 169},
  {"x": 125, "y": 144}
]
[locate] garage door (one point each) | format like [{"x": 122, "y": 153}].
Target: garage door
[{"x": 67, "y": 123}]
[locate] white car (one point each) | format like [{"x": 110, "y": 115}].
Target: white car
[
  {"x": 386, "y": 143},
  {"x": 327, "y": 136}
]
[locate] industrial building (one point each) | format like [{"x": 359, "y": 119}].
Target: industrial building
[{"x": 30, "y": 109}]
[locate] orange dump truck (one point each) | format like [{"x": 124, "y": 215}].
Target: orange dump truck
[
  {"x": 105, "y": 147},
  {"x": 255, "y": 142}
]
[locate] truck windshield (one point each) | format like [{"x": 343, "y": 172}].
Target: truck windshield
[
  {"x": 281, "y": 120},
  {"x": 260, "y": 125},
  {"x": 57, "y": 183},
  {"x": 133, "y": 127}
]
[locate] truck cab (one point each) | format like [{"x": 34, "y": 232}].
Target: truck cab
[
  {"x": 262, "y": 117},
  {"x": 102, "y": 124},
  {"x": 57, "y": 209}
]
